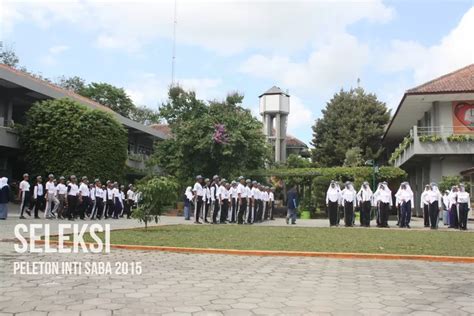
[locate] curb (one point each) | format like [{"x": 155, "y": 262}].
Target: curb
[{"x": 270, "y": 253}]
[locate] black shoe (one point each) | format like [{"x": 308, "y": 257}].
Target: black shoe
[
  {"x": 206, "y": 221},
  {"x": 28, "y": 212},
  {"x": 37, "y": 217},
  {"x": 408, "y": 226},
  {"x": 22, "y": 217}
]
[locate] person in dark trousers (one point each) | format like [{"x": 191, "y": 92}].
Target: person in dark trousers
[
  {"x": 98, "y": 194},
  {"x": 333, "y": 196},
  {"x": 223, "y": 201},
  {"x": 215, "y": 198},
  {"x": 271, "y": 197},
  {"x": 433, "y": 199},
  {"x": 365, "y": 197},
  {"x": 292, "y": 204},
  {"x": 84, "y": 198},
  {"x": 208, "y": 200},
  {"x": 24, "y": 195},
  {"x": 233, "y": 203},
  {"x": 463, "y": 205},
  {"x": 72, "y": 197},
  {"x": 109, "y": 200},
  {"x": 383, "y": 198},
  {"x": 425, "y": 205},
  {"x": 38, "y": 196},
  {"x": 241, "y": 199},
  {"x": 348, "y": 196},
  {"x": 453, "y": 208},
  {"x": 198, "y": 192},
  {"x": 4, "y": 198}
]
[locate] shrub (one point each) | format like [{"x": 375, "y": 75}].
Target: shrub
[
  {"x": 430, "y": 138},
  {"x": 448, "y": 181},
  {"x": 459, "y": 138}
]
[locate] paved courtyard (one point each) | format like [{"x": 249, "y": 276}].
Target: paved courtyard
[{"x": 194, "y": 284}]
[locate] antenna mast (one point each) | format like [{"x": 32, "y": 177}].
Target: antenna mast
[{"x": 173, "y": 59}]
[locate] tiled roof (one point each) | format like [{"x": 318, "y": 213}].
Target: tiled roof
[
  {"x": 164, "y": 128},
  {"x": 461, "y": 80},
  {"x": 274, "y": 90}
]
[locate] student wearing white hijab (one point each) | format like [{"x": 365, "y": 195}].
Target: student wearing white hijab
[
  {"x": 424, "y": 205},
  {"x": 434, "y": 196},
  {"x": 404, "y": 199},
  {"x": 349, "y": 201},
  {"x": 453, "y": 207},
  {"x": 365, "y": 197},
  {"x": 333, "y": 196},
  {"x": 188, "y": 197},
  {"x": 463, "y": 206},
  {"x": 4, "y": 198},
  {"x": 446, "y": 208},
  {"x": 383, "y": 197}
]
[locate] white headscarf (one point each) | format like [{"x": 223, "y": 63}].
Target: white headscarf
[
  {"x": 3, "y": 182},
  {"x": 189, "y": 193}
]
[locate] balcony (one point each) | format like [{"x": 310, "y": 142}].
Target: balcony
[
  {"x": 436, "y": 140},
  {"x": 9, "y": 137},
  {"x": 137, "y": 160}
]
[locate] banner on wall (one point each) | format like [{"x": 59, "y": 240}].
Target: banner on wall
[{"x": 463, "y": 117}]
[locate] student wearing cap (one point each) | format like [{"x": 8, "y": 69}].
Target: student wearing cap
[
  {"x": 215, "y": 198},
  {"x": 242, "y": 200},
  {"x": 51, "y": 198},
  {"x": 84, "y": 197},
  {"x": 109, "y": 200},
  {"x": 124, "y": 201},
  {"x": 207, "y": 201},
  {"x": 271, "y": 198},
  {"x": 233, "y": 201},
  {"x": 90, "y": 207},
  {"x": 463, "y": 206},
  {"x": 72, "y": 197},
  {"x": 38, "y": 196},
  {"x": 292, "y": 204},
  {"x": 223, "y": 201},
  {"x": 61, "y": 194},
  {"x": 446, "y": 208},
  {"x": 118, "y": 201},
  {"x": 266, "y": 199},
  {"x": 97, "y": 193},
  {"x": 198, "y": 197},
  {"x": 24, "y": 195},
  {"x": 130, "y": 200},
  {"x": 251, "y": 187}
]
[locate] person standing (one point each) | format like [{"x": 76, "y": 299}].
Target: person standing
[
  {"x": 349, "y": 201},
  {"x": 61, "y": 193},
  {"x": 130, "y": 200},
  {"x": 206, "y": 199},
  {"x": 84, "y": 197},
  {"x": 433, "y": 197},
  {"x": 463, "y": 206},
  {"x": 223, "y": 201},
  {"x": 215, "y": 198},
  {"x": 253, "y": 201},
  {"x": 271, "y": 200},
  {"x": 25, "y": 196},
  {"x": 333, "y": 196},
  {"x": 404, "y": 198},
  {"x": 266, "y": 200},
  {"x": 38, "y": 196},
  {"x": 292, "y": 204},
  {"x": 383, "y": 198},
  {"x": 51, "y": 198},
  {"x": 98, "y": 194},
  {"x": 188, "y": 197},
  {"x": 453, "y": 208},
  {"x": 365, "y": 197},
  {"x": 446, "y": 208},
  {"x": 242, "y": 200},
  {"x": 198, "y": 197},
  {"x": 425, "y": 205},
  {"x": 233, "y": 201},
  {"x": 109, "y": 200},
  {"x": 4, "y": 198},
  {"x": 72, "y": 197}
]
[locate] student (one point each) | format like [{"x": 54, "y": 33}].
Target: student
[
  {"x": 463, "y": 206},
  {"x": 453, "y": 208},
  {"x": 90, "y": 207},
  {"x": 223, "y": 201},
  {"x": 124, "y": 202},
  {"x": 383, "y": 197},
  {"x": 233, "y": 202},
  {"x": 98, "y": 194},
  {"x": 252, "y": 200},
  {"x": 118, "y": 202},
  {"x": 206, "y": 199},
  {"x": 425, "y": 205},
  {"x": 24, "y": 196},
  {"x": 446, "y": 208},
  {"x": 61, "y": 194},
  {"x": 433, "y": 197},
  {"x": 215, "y": 198},
  {"x": 72, "y": 197},
  {"x": 271, "y": 200},
  {"x": 404, "y": 199},
  {"x": 84, "y": 197},
  {"x": 4, "y": 198},
  {"x": 198, "y": 197},
  {"x": 38, "y": 196},
  {"x": 292, "y": 204},
  {"x": 365, "y": 197},
  {"x": 265, "y": 203},
  {"x": 51, "y": 198},
  {"x": 242, "y": 200},
  {"x": 188, "y": 197},
  {"x": 130, "y": 200},
  {"x": 348, "y": 201},
  {"x": 109, "y": 200}
]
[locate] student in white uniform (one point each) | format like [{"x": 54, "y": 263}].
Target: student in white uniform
[
  {"x": 365, "y": 197},
  {"x": 333, "y": 197},
  {"x": 446, "y": 208},
  {"x": 215, "y": 198},
  {"x": 223, "y": 195},
  {"x": 72, "y": 197},
  {"x": 118, "y": 202},
  {"x": 271, "y": 202},
  {"x": 52, "y": 202},
  {"x": 433, "y": 197},
  {"x": 383, "y": 198},
  {"x": 198, "y": 192},
  {"x": 97, "y": 193},
  {"x": 349, "y": 201},
  {"x": 61, "y": 194},
  {"x": 109, "y": 200},
  {"x": 253, "y": 201},
  {"x": 404, "y": 198},
  {"x": 242, "y": 200},
  {"x": 463, "y": 206},
  {"x": 130, "y": 200},
  {"x": 24, "y": 195},
  {"x": 425, "y": 204},
  {"x": 266, "y": 200},
  {"x": 233, "y": 202},
  {"x": 453, "y": 208},
  {"x": 38, "y": 196},
  {"x": 84, "y": 197},
  {"x": 207, "y": 201}
]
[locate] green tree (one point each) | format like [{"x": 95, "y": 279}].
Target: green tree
[
  {"x": 144, "y": 115},
  {"x": 75, "y": 84},
  {"x": 295, "y": 161},
  {"x": 8, "y": 56},
  {"x": 155, "y": 194},
  {"x": 110, "y": 96},
  {"x": 353, "y": 157},
  {"x": 64, "y": 137},
  {"x": 351, "y": 118},
  {"x": 216, "y": 138}
]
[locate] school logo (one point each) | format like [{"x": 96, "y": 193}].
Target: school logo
[{"x": 464, "y": 113}]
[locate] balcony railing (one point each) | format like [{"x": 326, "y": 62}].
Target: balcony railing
[{"x": 433, "y": 140}]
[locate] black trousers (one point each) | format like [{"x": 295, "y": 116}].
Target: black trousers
[
  {"x": 207, "y": 205},
  {"x": 463, "y": 211},
  {"x": 332, "y": 213},
  {"x": 83, "y": 207},
  {"x": 426, "y": 215},
  {"x": 365, "y": 213},
  {"x": 272, "y": 207},
  {"x": 39, "y": 204},
  {"x": 260, "y": 210},
  {"x": 25, "y": 202},
  {"x": 233, "y": 215},
  {"x": 98, "y": 208},
  {"x": 454, "y": 220},
  {"x": 71, "y": 206},
  {"x": 348, "y": 213},
  {"x": 434, "y": 213},
  {"x": 215, "y": 213},
  {"x": 224, "y": 210},
  {"x": 127, "y": 210},
  {"x": 252, "y": 208},
  {"x": 243, "y": 206},
  {"x": 109, "y": 208},
  {"x": 198, "y": 207},
  {"x": 384, "y": 210}
]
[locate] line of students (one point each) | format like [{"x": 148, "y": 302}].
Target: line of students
[
  {"x": 235, "y": 202},
  {"x": 60, "y": 199},
  {"x": 456, "y": 207}
]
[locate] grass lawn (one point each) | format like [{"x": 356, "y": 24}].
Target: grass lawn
[{"x": 450, "y": 243}]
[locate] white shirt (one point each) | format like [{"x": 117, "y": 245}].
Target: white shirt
[
  {"x": 404, "y": 196},
  {"x": 463, "y": 197},
  {"x": 117, "y": 194},
  {"x": 332, "y": 195},
  {"x": 365, "y": 195},
  {"x": 348, "y": 195},
  {"x": 446, "y": 201},
  {"x": 432, "y": 196},
  {"x": 50, "y": 187},
  {"x": 265, "y": 196},
  {"x": 207, "y": 194},
  {"x": 271, "y": 197},
  {"x": 84, "y": 189},
  {"x": 73, "y": 189},
  {"x": 424, "y": 199},
  {"x": 255, "y": 193},
  {"x": 130, "y": 195},
  {"x": 92, "y": 193},
  {"x": 24, "y": 186},
  {"x": 383, "y": 196},
  {"x": 222, "y": 193},
  {"x": 61, "y": 188},
  {"x": 99, "y": 192},
  {"x": 233, "y": 193},
  {"x": 241, "y": 190},
  {"x": 110, "y": 194},
  {"x": 198, "y": 190},
  {"x": 249, "y": 192},
  {"x": 38, "y": 191}
]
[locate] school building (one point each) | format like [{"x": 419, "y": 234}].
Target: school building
[
  {"x": 431, "y": 134},
  {"x": 18, "y": 92}
]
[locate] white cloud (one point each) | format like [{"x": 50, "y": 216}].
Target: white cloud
[
  {"x": 301, "y": 116},
  {"x": 51, "y": 58},
  {"x": 58, "y": 49},
  {"x": 454, "y": 51}
]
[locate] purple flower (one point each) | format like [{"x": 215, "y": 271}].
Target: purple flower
[{"x": 220, "y": 135}]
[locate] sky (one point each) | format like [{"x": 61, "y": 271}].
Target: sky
[{"x": 311, "y": 49}]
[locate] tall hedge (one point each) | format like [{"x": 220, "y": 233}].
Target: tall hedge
[{"x": 64, "y": 137}]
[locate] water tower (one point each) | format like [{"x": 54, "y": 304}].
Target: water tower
[{"x": 275, "y": 107}]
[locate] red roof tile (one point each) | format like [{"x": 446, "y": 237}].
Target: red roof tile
[
  {"x": 164, "y": 128},
  {"x": 461, "y": 80}
]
